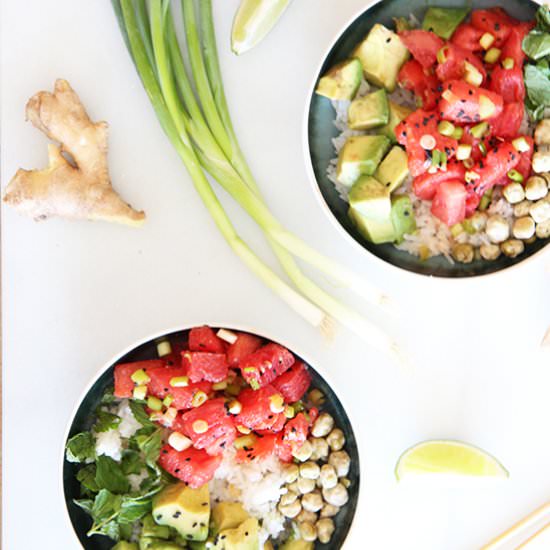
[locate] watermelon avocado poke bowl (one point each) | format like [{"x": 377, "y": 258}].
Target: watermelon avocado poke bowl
[
  {"x": 433, "y": 133},
  {"x": 210, "y": 438}
]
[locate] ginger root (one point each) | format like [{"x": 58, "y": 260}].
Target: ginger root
[{"x": 81, "y": 190}]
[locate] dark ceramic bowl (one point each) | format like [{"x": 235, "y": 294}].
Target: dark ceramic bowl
[
  {"x": 83, "y": 420},
  {"x": 320, "y": 131}
]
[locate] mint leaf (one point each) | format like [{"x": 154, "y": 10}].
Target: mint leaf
[
  {"x": 537, "y": 84},
  {"x": 109, "y": 475},
  {"x": 140, "y": 415},
  {"x": 150, "y": 446},
  {"x": 133, "y": 509},
  {"x": 108, "y": 396},
  {"x": 80, "y": 448},
  {"x": 106, "y": 421},
  {"x": 86, "y": 476},
  {"x": 131, "y": 462},
  {"x": 105, "y": 509},
  {"x": 85, "y": 504},
  {"x": 543, "y": 18},
  {"x": 536, "y": 44}
]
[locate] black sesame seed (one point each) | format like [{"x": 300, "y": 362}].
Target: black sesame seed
[
  {"x": 195, "y": 524},
  {"x": 188, "y": 459},
  {"x": 177, "y": 470},
  {"x": 159, "y": 517},
  {"x": 388, "y": 40},
  {"x": 176, "y": 515},
  {"x": 497, "y": 26}
]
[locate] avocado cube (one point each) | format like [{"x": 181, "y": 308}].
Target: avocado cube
[
  {"x": 150, "y": 529},
  {"x": 402, "y": 215},
  {"x": 228, "y": 515},
  {"x": 444, "y": 21},
  {"x": 184, "y": 509},
  {"x": 369, "y": 111},
  {"x": 394, "y": 169},
  {"x": 342, "y": 81},
  {"x": 398, "y": 113},
  {"x": 360, "y": 155},
  {"x": 382, "y": 54},
  {"x": 150, "y": 543},
  {"x": 123, "y": 545},
  {"x": 297, "y": 544},
  {"x": 244, "y": 537},
  {"x": 370, "y": 210}
]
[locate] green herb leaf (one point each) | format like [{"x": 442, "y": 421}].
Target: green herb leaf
[
  {"x": 150, "y": 446},
  {"x": 80, "y": 448},
  {"x": 109, "y": 475},
  {"x": 126, "y": 530},
  {"x": 106, "y": 421},
  {"x": 85, "y": 504},
  {"x": 131, "y": 462},
  {"x": 537, "y": 84},
  {"x": 133, "y": 509},
  {"x": 543, "y": 18},
  {"x": 105, "y": 509},
  {"x": 536, "y": 44},
  {"x": 108, "y": 396},
  {"x": 86, "y": 476},
  {"x": 140, "y": 415}
]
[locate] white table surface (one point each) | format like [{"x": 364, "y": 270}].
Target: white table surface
[{"x": 76, "y": 294}]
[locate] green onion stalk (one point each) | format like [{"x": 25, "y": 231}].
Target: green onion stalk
[{"x": 193, "y": 112}]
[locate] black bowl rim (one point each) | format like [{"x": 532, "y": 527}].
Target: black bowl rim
[
  {"x": 521, "y": 262},
  {"x": 240, "y": 327}
]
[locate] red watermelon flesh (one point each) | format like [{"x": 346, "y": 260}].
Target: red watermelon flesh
[{"x": 264, "y": 365}]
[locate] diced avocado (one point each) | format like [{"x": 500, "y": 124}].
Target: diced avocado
[
  {"x": 370, "y": 210},
  {"x": 382, "y": 53},
  {"x": 123, "y": 545},
  {"x": 402, "y": 24},
  {"x": 360, "y": 155},
  {"x": 398, "y": 113},
  {"x": 185, "y": 509},
  {"x": 244, "y": 537},
  {"x": 150, "y": 543},
  {"x": 342, "y": 81},
  {"x": 444, "y": 21},
  {"x": 394, "y": 169},
  {"x": 297, "y": 544},
  {"x": 228, "y": 515},
  {"x": 204, "y": 545},
  {"x": 369, "y": 111},
  {"x": 402, "y": 216},
  {"x": 153, "y": 530}
]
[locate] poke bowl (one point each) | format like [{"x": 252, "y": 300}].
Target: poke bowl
[
  {"x": 425, "y": 141},
  {"x": 210, "y": 438}
]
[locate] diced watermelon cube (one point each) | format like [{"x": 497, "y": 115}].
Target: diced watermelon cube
[
  {"x": 200, "y": 366},
  {"x": 294, "y": 383},
  {"x": 124, "y": 385},
  {"x": 449, "y": 204},
  {"x": 296, "y": 431},
  {"x": 192, "y": 466},
  {"x": 264, "y": 365},
  {"x": 205, "y": 339},
  {"x": 256, "y": 413},
  {"x": 245, "y": 345},
  {"x": 264, "y": 446},
  {"x": 220, "y": 430}
]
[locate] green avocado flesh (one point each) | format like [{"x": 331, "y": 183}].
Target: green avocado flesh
[
  {"x": 444, "y": 21},
  {"x": 342, "y": 81},
  {"x": 369, "y": 111},
  {"x": 394, "y": 169},
  {"x": 402, "y": 216},
  {"x": 397, "y": 114}
]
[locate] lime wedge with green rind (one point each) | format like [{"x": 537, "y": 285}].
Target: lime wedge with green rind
[
  {"x": 448, "y": 457},
  {"x": 253, "y": 21}
]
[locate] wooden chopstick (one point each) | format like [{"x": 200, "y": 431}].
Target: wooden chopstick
[{"x": 516, "y": 529}]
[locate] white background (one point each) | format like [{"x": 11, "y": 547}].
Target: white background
[{"x": 76, "y": 294}]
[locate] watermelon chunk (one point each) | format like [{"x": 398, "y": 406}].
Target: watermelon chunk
[
  {"x": 256, "y": 413},
  {"x": 245, "y": 345},
  {"x": 205, "y": 339},
  {"x": 264, "y": 365},
  {"x": 264, "y": 446},
  {"x": 160, "y": 387},
  {"x": 449, "y": 204},
  {"x": 192, "y": 466},
  {"x": 220, "y": 432},
  {"x": 124, "y": 385},
  {"x": 294, "y": 383},
  {"x": 200, "y": 366}
]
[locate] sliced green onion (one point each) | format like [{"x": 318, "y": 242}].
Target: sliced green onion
[
  {"x": 521, "y": 145},
  {"x": 492, "y": 55},
  {"x": 446, "y": 128},
  {"x": 458, "y": 133},
  {"x": 514, "y": 175},
  {"x": 167, "y": 401},
  {"x": 140, "y": 377},
  {"x": 443, "y": 161},
  {"x": 436, "y": 158},
  {"x": 468, "y": 163},
  {"x": 179, "y": 381},
  {"x": 164, "y": 348},
  {"x": 441, "y": 54},
  {"x": 472, "y": 74},
  {"x": 483, "y": 149},
  {"x": 463, "y": 151},
  {"x": 508, "y": 63},
  {"x": 154, "y": 403},
  {"x": 140, "y": 392},
  {"x": 456, "y": 230},
  {"x": 478, "y": 131},
  {"x": 486, "y": 41},
  {"x": 468, "y": 226},
  {"x": 486, "y": 200}
]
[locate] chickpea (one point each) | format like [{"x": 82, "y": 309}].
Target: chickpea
[
  {"x": 336, "y": 439},
  {"x": 540, "y": 211},
  {"x": 497, "y": 229},
  {"x": 345, "y": 482},
  {"x": 312, "y": 502},
  {"x": 514, "y": 193},
  {"x": 512, "y": 248},
  {"x": 305, "y": 485},
  {"x": 337, "y": 496},
  {"x": 329, "y": 511},
  {"x": 543, "y": 230},
  {"x": 307, "y": 531},
  {"x": 325, "y": 530},
  {"x": 479, "y": 220},
  {"x": 293, "y": 487},
  {"x": 310, "y": 470},
  {"x": 489, "y": 251},
  {"x": 323, "y": 425},
  {"x": 304, "y": 452},
  {"x": 522, "y": 209},
  {"x": 328, "y": 476},
  {"x": 320, "y": 448},
  {"x": 341, "y": 461},
  {"x": 290, "y": 510},
  {"x": 523, "y": 228},
  {"x": 291, "y": 472},
  {"x": 305, "y": 516},
  {"x": 316, "y": 397},
  {"x": 536, "y": 188},
  {"x": 463, "y": 253},
  {"x": 288, "y": 498}
]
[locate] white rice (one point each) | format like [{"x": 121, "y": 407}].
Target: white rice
[
  {"x": 109, "y": 444},
  {"x": 432, "y": 236}
]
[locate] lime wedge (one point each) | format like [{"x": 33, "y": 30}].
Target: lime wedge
[
  {"x": 448, "y": 457},
  {"x": 253, "y": 21}
]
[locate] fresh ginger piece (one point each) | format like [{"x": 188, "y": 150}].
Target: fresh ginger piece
[{"x": 81, "y": 190}]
